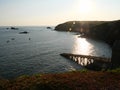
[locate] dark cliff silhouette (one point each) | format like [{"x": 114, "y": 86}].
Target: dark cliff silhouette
[
  {"x": 107, "y": 31},
  {"x": 77, "y": 26}
]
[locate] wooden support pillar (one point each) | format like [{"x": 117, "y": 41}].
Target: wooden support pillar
[
  {"x": 78, "y": 60},
  {"x": 88, "y": 61},
  {"x": 75, "y": 59},
  {"x": 82, "y": 61}
]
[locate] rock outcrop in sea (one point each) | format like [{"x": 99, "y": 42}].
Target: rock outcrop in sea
[{"x": 24, "y": 32}]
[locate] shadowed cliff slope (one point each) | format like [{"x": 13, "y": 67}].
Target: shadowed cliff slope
[{"x": 109, "y": 31}]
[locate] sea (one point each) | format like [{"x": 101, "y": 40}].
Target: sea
[{"x": 39, "y": 51}]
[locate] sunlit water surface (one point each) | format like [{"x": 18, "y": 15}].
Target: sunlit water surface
[{"x": 40, "y": 53}]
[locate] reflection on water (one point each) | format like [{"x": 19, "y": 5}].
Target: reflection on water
[
  {"x": 81, "y": 46},
  {"x": 91, "y": 47}
]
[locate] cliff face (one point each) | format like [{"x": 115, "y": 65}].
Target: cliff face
[{"x": 109, "y": 31}]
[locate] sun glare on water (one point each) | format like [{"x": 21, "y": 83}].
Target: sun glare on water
[{"x": 81, "y": 46}]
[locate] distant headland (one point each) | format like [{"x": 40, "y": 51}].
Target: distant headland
[{"x": 108, "y": 31}]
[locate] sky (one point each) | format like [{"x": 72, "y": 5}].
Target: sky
[{"x": 53, "y": 12}]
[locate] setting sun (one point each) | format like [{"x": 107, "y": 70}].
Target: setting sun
[{"x": 85, "y": 6}]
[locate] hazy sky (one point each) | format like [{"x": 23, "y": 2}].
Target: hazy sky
[{"x": 53, "y": 12}]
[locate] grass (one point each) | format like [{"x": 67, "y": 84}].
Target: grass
[{"x": 76, "y": 80}]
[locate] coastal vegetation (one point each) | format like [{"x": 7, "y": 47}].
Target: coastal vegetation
[{"x": 74, "y": 80}]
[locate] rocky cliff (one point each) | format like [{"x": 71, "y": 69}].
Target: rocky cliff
[{"x": 107, "y": 31}]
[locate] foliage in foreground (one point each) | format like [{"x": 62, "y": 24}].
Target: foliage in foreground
[{"x": 78, "y": 80}]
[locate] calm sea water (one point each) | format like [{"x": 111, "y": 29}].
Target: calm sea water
[{"x": 40, "y": 54}]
